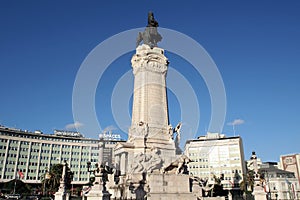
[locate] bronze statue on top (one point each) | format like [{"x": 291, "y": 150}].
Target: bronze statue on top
[
  {"x": 150, "y": 36},
  {"x": 151, "y": 21}
]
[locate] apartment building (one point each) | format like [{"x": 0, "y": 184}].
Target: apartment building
[
  {"x": 217, "y": 155},
  {"x": 33, "y": 153}
]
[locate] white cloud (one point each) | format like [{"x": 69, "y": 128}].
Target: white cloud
[
  {"x": 73, "y": 126},
  {"x": 236, "y": 122},
  {"x": 109, "y": 128}
]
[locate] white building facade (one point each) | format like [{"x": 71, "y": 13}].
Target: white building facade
[
  {"x": 279, "y": 184},
  {"x": 217, "y": 155},
  {"x": 32, "y": 153}
]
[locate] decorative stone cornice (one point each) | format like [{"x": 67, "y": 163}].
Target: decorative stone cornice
[{"x": 149, "y": 59}]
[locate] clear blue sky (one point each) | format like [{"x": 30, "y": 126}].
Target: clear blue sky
[{"x": 255, "y": 45}]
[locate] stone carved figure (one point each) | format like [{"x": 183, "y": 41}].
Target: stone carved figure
[
  {"x": 140, "y": 130},
  {"x": 179, "y": 166},
  {"x": 258, "y": 189},
  {"x": 203, "y": 185},
  {"x": 170, "y": 131},
  {"x": 147, "y": 162},
  {"x": 149, "y": 59},
  {"x": 252, "y": 165},
  {"x": 199, "y": 186},
  {"x": 150, "y": 36},
  {"x": 138, "y": 163},
  {"x": 155, "y": 161},
  {"x": 254, "y": 158},
  {"x": 177, "y": 130},
  {"x": 177, "y": 139}
]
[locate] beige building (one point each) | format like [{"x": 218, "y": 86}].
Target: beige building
[
  {"x": 291, "y": 163},
  {"x": 217, "y": 155},
  {"x": 32, "y": 153}
]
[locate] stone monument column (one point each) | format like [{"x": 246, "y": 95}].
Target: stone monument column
[
  {"x": 123, "y": 163},
  {"x": 62, "y": 194},
  {"x": 150, "y": 120},
  {"x": 258, "y": 190},
  {"x": 149, "y": 99}
]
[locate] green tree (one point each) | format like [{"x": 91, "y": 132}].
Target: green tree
[
  {"x": 51, "y": 179},
  {"x": 247, "y": 184},
  {"x": 218, "y": 189},
  {"x": 19, "y": 186}
]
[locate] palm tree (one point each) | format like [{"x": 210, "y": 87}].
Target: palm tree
[{"x": 51, "y": 179}]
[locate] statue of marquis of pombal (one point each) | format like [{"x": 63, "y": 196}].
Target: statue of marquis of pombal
[
  {"x": 150, "y": 36},
  {"x": 150, "y": 164}
]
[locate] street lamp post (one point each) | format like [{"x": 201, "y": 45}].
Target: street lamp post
[
  {"x": 100, "y": 173},
  {"x": 101, "y": 146},
  {"x": 47, "y": 176},
  {"x": 15, "y": 185},
  {"x": 98, "y": 188}
]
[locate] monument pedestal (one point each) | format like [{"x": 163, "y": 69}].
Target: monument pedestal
[
  {"x": 98, "y": 191},
  {"x": 62, "y": 195},
  {"x": 97, "y": 195},
  {"x": 259, "y": 193},
  {"x": 169, "y": 186}
]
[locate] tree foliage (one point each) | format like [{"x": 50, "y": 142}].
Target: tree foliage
[
  {"x": 51, "y": 179},
  {"x": 20, "y": 187},
  {"x": 218, "y": 189},
  {"x": 248, "y": 182}
]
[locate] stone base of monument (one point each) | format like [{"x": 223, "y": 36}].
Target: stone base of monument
[
  {"x": 97, "y": 193},
  {"x": 213, "y": 198},
  {"x": 259, "y": 193},
  {"x": 98, "y": 196},
  {"x": 62, "y": 196},
  {"x": 169, "y": 186}
]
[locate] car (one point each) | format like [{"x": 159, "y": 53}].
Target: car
[
  {"x": 46, "y": 198},
  {"x": 13, "y": 196},
  {"x": 33, "y": 197}
]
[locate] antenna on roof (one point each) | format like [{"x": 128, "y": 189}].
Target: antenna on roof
[{"x": 233, "y": 128}]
